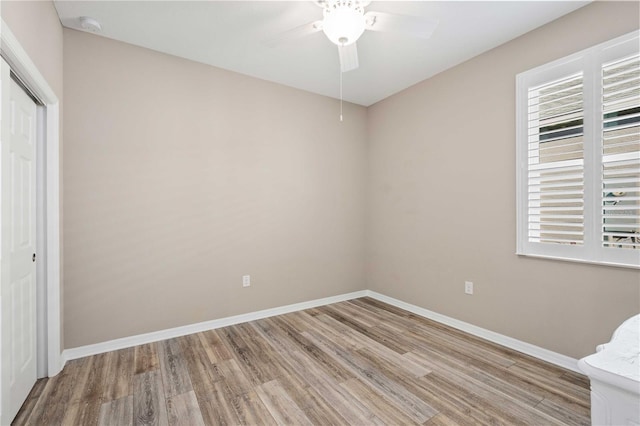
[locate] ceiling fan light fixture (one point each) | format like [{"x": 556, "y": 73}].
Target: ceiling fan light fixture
[{"x": 344, "y": 22}]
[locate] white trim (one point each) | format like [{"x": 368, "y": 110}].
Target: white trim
[
  {"x": 140, "y": 339},
  {"x": 41, "y": 264},
  {"x": 54, "y": 315},
  {"x": 24, "y": 67},
  {"x": 509, "y": 342},
  {"x": 571, "y": 259}
]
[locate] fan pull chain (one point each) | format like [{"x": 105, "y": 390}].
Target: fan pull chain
[{"x": 341, "y": 95}]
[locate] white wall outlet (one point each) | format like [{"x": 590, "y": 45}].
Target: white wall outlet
[
  {"x": 468, "y": 287},
  {"x": 246, "y": 280}
]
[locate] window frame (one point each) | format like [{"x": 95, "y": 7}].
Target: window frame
[{"x": 589, "y": 62}]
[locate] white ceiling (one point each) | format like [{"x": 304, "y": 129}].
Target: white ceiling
[{"x": 232, "y": 35}]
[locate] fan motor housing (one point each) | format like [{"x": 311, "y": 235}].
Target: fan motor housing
[{"x": 344, "y": 21}]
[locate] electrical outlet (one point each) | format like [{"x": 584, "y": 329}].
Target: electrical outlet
[
  {"x": 246, "y": 280},
  {"x": 468, "y": 287}
]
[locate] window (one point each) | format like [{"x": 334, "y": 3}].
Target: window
[{"x": 578, "y": 156}]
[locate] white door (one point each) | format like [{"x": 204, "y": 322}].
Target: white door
[{"x": 18, "y": 219}]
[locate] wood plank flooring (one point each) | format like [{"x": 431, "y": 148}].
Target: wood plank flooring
[{"x": 359, "y": 362}]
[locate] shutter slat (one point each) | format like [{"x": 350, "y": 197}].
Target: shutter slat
[
  {"x": 538, "y": 225},
  {"x": 616, "y": 134},
  {"x": 622, "y": 235},
  {"x": 615, "y": 91},
  {"x": 538, "y": 187},
  {"x": 537, "y": 195},
  {"x": 569, "y": 143},
  {"x": 618, "y": 118},
  {"x": 621, "y": 127},
  {"x": 556, "y": 232},
  {"x": 569, "y": 165},
  {"x": 613, "y": 83},
  {"x": 620, "y": 180},
  {"x": 547, "y": 155},
  {"x": 543, "y": 210},
  {"x": 550, "y": 132},
  {"x": 631, "y": 209},
  {"x": 565, "y": 111},
  {"x": 574, "y": 80},
  {"x": 533, "y": 102},
  {"x": 624, "y": 146},
  {"x": 620, "y": 216},
  {"x": 629, "y": 91},
  {"x": 563, "y": 217},
  {"x": 621, "y": 189},
  {"x": 543, "y": 146},
  {"x": 569, "y": 182},
  {"x": 620, "y": 172},
  {"x": 617, "y": 244},
  {"x": 555, "y": 240},
  {"x": 622, "y": 225}
]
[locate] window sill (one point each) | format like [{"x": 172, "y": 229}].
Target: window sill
[{"x": 590, "y": 262}]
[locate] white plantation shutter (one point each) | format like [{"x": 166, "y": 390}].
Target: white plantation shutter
[
  {"x": 555, "y": 161},
  {"x": 621, "y": 154},
  {"x": 578, "y": 148}
]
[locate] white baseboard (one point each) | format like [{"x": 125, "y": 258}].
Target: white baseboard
[
  {"x": 509, "y": 342},
  {"x": 155, "y": 336}
]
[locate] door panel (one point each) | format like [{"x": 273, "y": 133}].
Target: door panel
[{"x": 18, "y": 290}]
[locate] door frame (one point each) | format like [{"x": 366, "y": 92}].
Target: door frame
[{"x": 47, "y": 196}]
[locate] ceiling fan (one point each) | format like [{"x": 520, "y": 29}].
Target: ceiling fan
[{"x": 344, "y": 22}]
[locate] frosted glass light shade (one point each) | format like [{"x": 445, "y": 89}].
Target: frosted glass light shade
[{"x": 343, "y": 25}]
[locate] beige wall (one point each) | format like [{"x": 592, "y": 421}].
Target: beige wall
[
  {"x": 441, "y": 200},
  {"x": 180, "y": 178},
  {"x": 37, "y": 27}
]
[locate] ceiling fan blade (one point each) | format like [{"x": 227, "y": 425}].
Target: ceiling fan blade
[
  {"x": 295, "y": 33},
  {"x": 348, "y": 57},
  {"x": 414, "y": 26}
]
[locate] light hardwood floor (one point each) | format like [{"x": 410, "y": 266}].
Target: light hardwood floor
[{"x": 360, "y": 362}]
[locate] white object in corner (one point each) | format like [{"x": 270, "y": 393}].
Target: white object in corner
[{"x": 614, "y": 371}]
